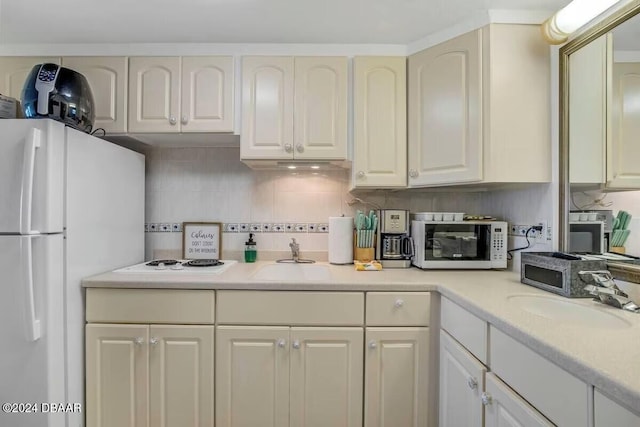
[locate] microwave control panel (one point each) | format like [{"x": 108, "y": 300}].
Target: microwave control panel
[{"x": 499, "y": 241}]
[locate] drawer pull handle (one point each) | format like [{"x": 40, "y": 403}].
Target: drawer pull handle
[
  {"x": 139, "y": 341},
  {"x": 486, "y": 399},
  {"x": 172, "y": 121},
  {"x": 296, "y": 344},
  {"x": 153, "y": 341},
  {"x": 399, "y": 303},
  {"x": 281, "y": 343},
  {"x": 372, "y": 344},
  {"x": 472, "y": 383}
]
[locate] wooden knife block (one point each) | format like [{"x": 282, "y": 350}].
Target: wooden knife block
[{"x": 363, "y": 254}]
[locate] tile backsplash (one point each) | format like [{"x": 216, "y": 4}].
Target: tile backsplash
[{"x": 212, "y": 184}]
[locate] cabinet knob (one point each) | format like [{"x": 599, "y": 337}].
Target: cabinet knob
[
  {"x": 288, "y": 148},
  {"x": 360, "y": 174},
  {"x": 486, "y": 399},
  {"x": 300, "y": 148},
  {"x": 472, "y": 383},
  {"x": 153, "y": 341},
  {"x": 296, "y": 344},
  {"x": 281, "y": 343},
  {"x": 139, "y": 341},
  {"x": 172, "y": 121},
  {"x": 413, "y": 173},
  {"x": 372, "y": 344},
  {"x": 184, "y": 120},
  {"x": 399, "y": 303}
]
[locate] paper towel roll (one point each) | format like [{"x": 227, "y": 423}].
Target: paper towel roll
[{"x": 341, "y": 239}]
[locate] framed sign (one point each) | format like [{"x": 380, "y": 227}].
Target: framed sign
[{"x": 201, "y": 240}]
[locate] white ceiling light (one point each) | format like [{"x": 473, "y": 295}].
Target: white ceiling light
[{"x": 573, "y": 16}]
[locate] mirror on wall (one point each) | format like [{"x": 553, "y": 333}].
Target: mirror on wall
[{"x": 600, "y": 137}]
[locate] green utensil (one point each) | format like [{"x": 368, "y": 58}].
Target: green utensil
[
  {"x": 626, "y": 219},
  {"x": 623, "y": 238}
]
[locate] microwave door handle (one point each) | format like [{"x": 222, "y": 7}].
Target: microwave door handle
[{"x": 31, "y": 144}]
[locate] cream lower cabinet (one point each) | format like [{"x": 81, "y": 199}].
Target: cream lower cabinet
[
  {"x": 149, "y": 358},
  {"x": 396, "y": 377},
  {"x": 461, "y": 384},
  {"x": 610, "y": 413},
  {"x": 280, "y": 376}
]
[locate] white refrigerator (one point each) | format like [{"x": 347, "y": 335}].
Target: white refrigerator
[{"x": 71, "y": 205}]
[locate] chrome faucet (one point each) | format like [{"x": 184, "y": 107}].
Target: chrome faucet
[
  {"x": 606, "y": 291},
  {"x": 295, "y": 250},
  {"x": 295, "y": 254}
]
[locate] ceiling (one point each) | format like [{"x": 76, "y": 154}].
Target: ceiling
[{"x": 241, "y": 21}]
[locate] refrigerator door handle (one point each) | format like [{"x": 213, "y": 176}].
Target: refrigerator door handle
[
  {"x": 32, "y": 143},
  {"x": 32, "y": 322}
]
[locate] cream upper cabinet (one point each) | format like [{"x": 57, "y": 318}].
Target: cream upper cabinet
[
  {"x": 294, "y": 108},
  {"x": 588, "y": 94},
  {"x": 107, "y": 77},
  {"x": 180, "y": 94},
  {"x": 154, "y": 94},
  {"x": 396, "y": 377},
  {"x": 461, "y": 385},
  {"x": 623, "y": 147},
  {"x": 267, "y": 108},
  {"x": 445, "y": 112},
  {"x": 320, "y": 107},
  {"x": 207, "y": 94},
  {"x": 14, "y": 71},
  {"x": 117, "y": 375},
  {"x": 476, "y": 103},
  {"x": 379, "y": 128}
]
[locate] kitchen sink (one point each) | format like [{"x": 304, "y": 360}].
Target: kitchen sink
[
  {"x": 293, "y": 272},
  {"x": 567, "y": 311}
]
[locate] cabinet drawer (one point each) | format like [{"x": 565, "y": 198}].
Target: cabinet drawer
[
  {"x": 560, "y": 396},
  {"x": 398, "y": 309},
  {"x": 468, "y": 329},
  {"x": 290, "y": 308},
  {"x": 150, "y": 306}
]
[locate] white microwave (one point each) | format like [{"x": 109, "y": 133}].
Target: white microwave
[{"x": 459, "y": 244}]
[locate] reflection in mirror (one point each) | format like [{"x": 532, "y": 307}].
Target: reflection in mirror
[{"x": 603, "y": 134}]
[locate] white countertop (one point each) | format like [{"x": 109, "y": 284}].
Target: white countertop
[{"x": 607, "y": 358}]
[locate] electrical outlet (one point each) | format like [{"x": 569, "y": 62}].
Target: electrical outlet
[{"x": 534, "y": 235}]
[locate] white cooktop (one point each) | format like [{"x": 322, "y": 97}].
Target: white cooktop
[{"x": 178, "y": 268}]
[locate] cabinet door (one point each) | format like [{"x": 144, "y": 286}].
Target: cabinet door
[
  {"x": 505, "y": 408},
  {"x": 181, "y": 376},
  {"x": 445, "y": 112},
  {"x": 588, "y": 111},
  {"x": 267, "y": 108},
  {"x": 380, "y": 128},
  {"x": 14, "y": 71},
  {"x": 252, "y": 376},
  {"x": 461, "y": 385},
  {"x": 117, "y": 375},
  {"x": 396, "y": 382},
  {"x": 107, "y": 76},
  {"x": 623, "y": 150},
  {"x": 320, "y": 105},
  {"x": 154, "y": 94},
  {"x": 207, "y": 94},
  {"x": 326, "y": 377},
  {"x": 610, "y": 413}
]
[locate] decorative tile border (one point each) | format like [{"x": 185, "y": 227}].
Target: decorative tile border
[{"x": 244, "y": 227}]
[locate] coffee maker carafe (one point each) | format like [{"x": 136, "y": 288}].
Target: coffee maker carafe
[{"x": 394, "y": 246}]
